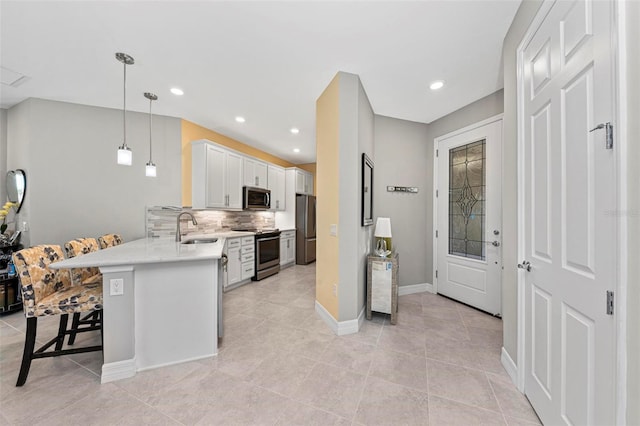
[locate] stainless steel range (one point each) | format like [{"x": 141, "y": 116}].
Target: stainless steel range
[{"x": 267, "y": 252}]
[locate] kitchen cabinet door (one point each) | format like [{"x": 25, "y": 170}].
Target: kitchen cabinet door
[
  {"x": 304, "y": 182},
  {"x": 255, "y": 173},
  {"x": 234, "y": 180},
  {"x": 276, "y": 181},
  {"x": 215, "y": 180},
  {"x": 287, "y": 247},
  {"x": 234, "y": 266}
]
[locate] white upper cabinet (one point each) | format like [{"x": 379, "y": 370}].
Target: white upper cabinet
[
  {"x": 216, "y": 177},
  {"x": 304, "y": 182},
  {"x": 255, "y": 173},
  {"x": 277, "y": 187}
]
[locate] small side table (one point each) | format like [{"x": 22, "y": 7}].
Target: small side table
[{"x": 382, "y": 285}]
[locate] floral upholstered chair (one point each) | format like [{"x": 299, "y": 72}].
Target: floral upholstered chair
[
  {"x": 46, "y": 291},
  {"x": 78, "y": 247},
  {"x": 109, "y": 240},
  {"x": 83, "y": 276}
]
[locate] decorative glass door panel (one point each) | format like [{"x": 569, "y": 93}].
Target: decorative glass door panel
[{"x": 467, "y": 180}]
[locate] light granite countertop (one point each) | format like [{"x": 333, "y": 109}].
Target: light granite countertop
[{"x": 147, "y": 250}]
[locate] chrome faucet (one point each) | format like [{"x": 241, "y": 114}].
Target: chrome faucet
[{"x": 193, "y": 220}]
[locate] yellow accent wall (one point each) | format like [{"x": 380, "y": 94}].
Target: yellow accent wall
[
  {"x": 327, "y": 189},
  {"x": 193, "y": 132}
]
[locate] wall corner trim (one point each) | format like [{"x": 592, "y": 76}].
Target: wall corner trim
[
  {"x": 340, "y": 328},
  {"x": 415, "y": 288},
  {"x": 510, "y": 366}
]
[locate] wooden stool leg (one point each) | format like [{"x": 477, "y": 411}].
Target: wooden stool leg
[
  {"x": 74, "y": 326},
  {"x": 27, "y": 355},
  {"x": 61, "y": 331}
]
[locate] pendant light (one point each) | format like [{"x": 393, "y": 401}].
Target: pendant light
[
  {"x": 125, "y": 156},
  {"x": 151, "y": 168}
]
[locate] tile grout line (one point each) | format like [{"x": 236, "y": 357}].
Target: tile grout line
[{"x": 493, "y": 391}]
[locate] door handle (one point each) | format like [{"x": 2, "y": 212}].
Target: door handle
[
  {"x": 525, "y": 265},
  {"x": 493, "y": 243}
]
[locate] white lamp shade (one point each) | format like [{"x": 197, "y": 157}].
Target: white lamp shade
[
  {"x": 383, "y": 227},
  {"x": 125, "y": 156},
  {"x": 150, "y": 170}
]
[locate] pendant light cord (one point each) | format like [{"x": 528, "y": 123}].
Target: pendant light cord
[
  {"x": 124, "y": 107},
  {"x": 150, "y": 130}
]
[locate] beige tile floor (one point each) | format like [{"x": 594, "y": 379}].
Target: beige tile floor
[{"x": 279, "y": 364}]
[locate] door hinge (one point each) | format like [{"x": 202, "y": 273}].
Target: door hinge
[
  {"x": 436, "y": 273},
  {"x": 436, "y": 193},
  {"x": 609, "y": 302},
  {"x": 436, "y": 233},
  {"x": 437, "y": 152}
]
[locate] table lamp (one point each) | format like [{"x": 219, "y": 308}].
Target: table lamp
[{"x": 383, "y": 236}]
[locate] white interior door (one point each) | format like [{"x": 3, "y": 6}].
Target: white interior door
[
  {"x": 569, "y": 229},
  {"x": 468, "y": 206}
]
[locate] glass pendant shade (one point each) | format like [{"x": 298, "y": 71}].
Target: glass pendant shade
[
  {"x": 125, "y": 156},
  {"x": 150, "y": 170}
]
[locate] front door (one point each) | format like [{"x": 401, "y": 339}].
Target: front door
[
  {"x": 568, "y": 199},
  {"x": 468, "y": 216}
]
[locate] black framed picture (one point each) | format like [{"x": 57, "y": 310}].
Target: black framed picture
[{"x": 367, "y": 190}]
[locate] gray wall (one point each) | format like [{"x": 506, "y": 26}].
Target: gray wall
[
  {"x": 633, "y": 216},
  {"x": 3, "y": 155},
  {"x": 74, "y": 186},
  {"x": 519, "y": 26},
  {"x": 402, "y": 152},
  {"x": 356, "y": 137},
  {"x": 404, "y": 157}
]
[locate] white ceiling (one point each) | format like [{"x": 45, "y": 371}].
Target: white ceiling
[{"x": 266, "y": 60}]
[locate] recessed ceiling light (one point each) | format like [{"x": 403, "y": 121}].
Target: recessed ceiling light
[
  {"x": 439, "y": 84},
  {"x": 240, "y": 119},
  {"x": 295, "y": 130},
  {"x": 176, "y": 91},
  {"x": 296, "y": 150}
]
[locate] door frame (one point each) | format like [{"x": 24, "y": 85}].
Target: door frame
[
  {"x": 436, "y": 143},
  {"x": 619, "y": 119}
]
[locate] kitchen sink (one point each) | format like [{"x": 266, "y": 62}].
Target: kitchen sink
[{"x": 201, "y": 241}]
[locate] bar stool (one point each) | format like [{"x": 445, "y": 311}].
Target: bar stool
[
  {"x": 109, "y": 240},
  {"x": 47, "y": 292},
  {"x": 83, "y": 276}
]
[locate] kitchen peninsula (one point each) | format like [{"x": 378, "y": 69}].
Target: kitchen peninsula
[{"x": 160, "y": 303}]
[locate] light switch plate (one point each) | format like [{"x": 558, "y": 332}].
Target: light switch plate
[
  {"x": 116, "y": 287},
  {"x": 333, "y": 231}
]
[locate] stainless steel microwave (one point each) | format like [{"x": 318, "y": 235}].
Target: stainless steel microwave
[{"x": 256, "y": 198}]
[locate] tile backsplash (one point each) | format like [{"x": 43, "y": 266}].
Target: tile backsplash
[{"x": 161, "y": 221}]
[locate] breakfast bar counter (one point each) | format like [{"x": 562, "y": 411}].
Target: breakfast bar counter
[{"x": 160, "y": 303}]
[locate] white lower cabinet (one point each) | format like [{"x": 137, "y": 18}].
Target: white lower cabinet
[
  {"x": 241, "y": 260},
  {"x": 234, "y": 264},
  {"x": 287, "y": 247},
  {"x": 247, "y": 257}
]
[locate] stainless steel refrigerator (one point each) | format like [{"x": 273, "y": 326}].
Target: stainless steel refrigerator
[{"x": 305, "y": 229}]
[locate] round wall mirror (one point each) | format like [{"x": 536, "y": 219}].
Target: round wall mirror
[{"x": 16, "y": 187}]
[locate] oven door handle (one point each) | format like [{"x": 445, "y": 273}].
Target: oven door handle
[{"x": 267, "y": 239}]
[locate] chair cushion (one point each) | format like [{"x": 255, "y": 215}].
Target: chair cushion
[
  {"x": 83, "y": 298},
  {"x": 93, "y": 279},
  {"x": 36, "y": 279},
  {"x": 78, "y": 247}
]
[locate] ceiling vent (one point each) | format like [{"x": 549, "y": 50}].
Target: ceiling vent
[{"x": 11, "y": 78}]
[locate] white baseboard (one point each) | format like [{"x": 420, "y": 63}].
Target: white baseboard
[
  {"x": 118, "y": 370},
  {"x": 415, "y": 288},
  {"x": 510, "y": 366},
  {"x": 340, "y": 328},
  {"x": 167, "y": 364}
]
